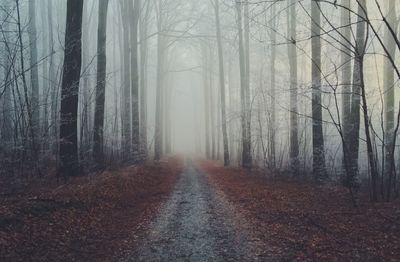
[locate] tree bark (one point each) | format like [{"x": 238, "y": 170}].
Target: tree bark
[
  {"x": 143, "y": 28},
  {"x": 34, "y": 70},
  {"x": 358, "y": 87},
  {"x": 126, "y": 92},
  {"x": 70, "y": 88},
  {"x": 98, "y": 130},
  {"x": 389, "y": 97},
  {"x": 222, "y": 85},
  {"x": 294, "y": 141},
  {"x": 158, "y": 136},
  {"x": 317, "y": 127},
  {"x": 135, "y": 9},
  {"x": 246, "y": 144},
  {"x": 346, "y": 84}
]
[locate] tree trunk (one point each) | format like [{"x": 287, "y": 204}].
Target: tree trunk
[
  {"x": 98, "y": 130},
  {"x": 211, "y": 98},
  {"x": 246, "y": 150},
  {"x": 126, "y": 92},
  {"x": 34, "y": 67},
  {"x": 6, "y": 131},
  {"x": 206, "y": 100},
  {"x": 143, "y": 28},
  {"x": 158, "y": 136},
  {"x": 272, "y": 128},
  {"x": 222, "y": 85},
  {"x": 294, "y": 141},
  {"x": 135, "y": 9},
  {"x": 70, "y": 88},
  {"x": 358, "y": 87},
  {"x": 389, "y": 97},
  {"x": 317, "y": 136},
  {"x": 346, "y": 84}
]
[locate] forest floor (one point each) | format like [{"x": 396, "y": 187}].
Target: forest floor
[
  {"x": 201, "y": 211},
  {"x": 292, "y": 221},
  {"x": 94, "y": 218}
]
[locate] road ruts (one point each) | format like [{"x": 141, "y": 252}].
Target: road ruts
[{"x": 194, "y": 225}]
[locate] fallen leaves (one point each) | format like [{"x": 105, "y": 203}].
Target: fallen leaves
[
  {"x": 301, "y": 221},
  {"x": 94, "y": 218}
]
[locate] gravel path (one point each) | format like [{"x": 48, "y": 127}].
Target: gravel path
[{"x": 194, "y": 225}]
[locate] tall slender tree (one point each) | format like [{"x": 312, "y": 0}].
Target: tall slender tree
[
  {"x": 357, "y": 89},
  {"x": 389, "y": 90},
  {"x": 126, "y": 91},
  {"x": 222, "y": 84},
  {"x": 246, "y": 143},
  {"x": 135, "y": 10},
  {"x": 317, "y": 135},
  {"x": 292, "y": 50},
  {"x": 34, "y": 69},
  {"x": 69, "y": 164},
  {"x": 143, "y": 30},
  {"x": 98, "y": 128},
  {"x": 206, "y": 96},
  {"x": 272, "y": 128},
  {"x": 346, "y": 83},
  {"x": 158, "y": 136}
]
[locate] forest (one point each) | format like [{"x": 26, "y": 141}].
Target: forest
[{"x": 188, "y": 130}]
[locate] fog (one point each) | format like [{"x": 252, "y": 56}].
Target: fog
[{"x": 298, "y": 85}]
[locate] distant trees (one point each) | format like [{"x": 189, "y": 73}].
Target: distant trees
[{"x": 242, "y": 58}]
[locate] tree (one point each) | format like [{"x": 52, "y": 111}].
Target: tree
[
  {"x": 222, "y": 84},
  {"x": 346, "y": 83},
  {"x": 158, "y": 136},
  {"x": 34, "y": 66},
  {"x": 246, "y": 143},
  {"x": 206, "y": 89},
  {"x": 126, "y": 92},
  {"x": 143, "y": 28},
  {"x": 388, "y": 87},
  {"x": 135, "y": 10},
  {"x": 6, "y": 131},
  {"x": 357, "y": 88},
  {"x": 98, "y": 130},
  {"x": 272, "y": 128},
  {"x": 69, "y": 161},
  {"x": 317, "y": 134},
  {"x": 292, "y": 51}
]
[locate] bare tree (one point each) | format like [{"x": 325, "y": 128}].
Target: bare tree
[
  {"x": 246, "y": 141},
  {"x": 318, "y": 136},
  {"x": 388, "y": 88},
  {"x": 69, "y": 91},
  {"x": 98, "y": 130},
  {"x": 222, "y": 83},
  {"x": 135, "y": 10},
  {"x": 292, "y": 51}
]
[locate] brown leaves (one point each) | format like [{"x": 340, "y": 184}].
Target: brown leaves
[
  {"x": 94, "y": 218},
  {"x": 307, "y": 222}
]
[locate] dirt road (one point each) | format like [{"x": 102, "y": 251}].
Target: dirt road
[{"x": 194, "y": 225}]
